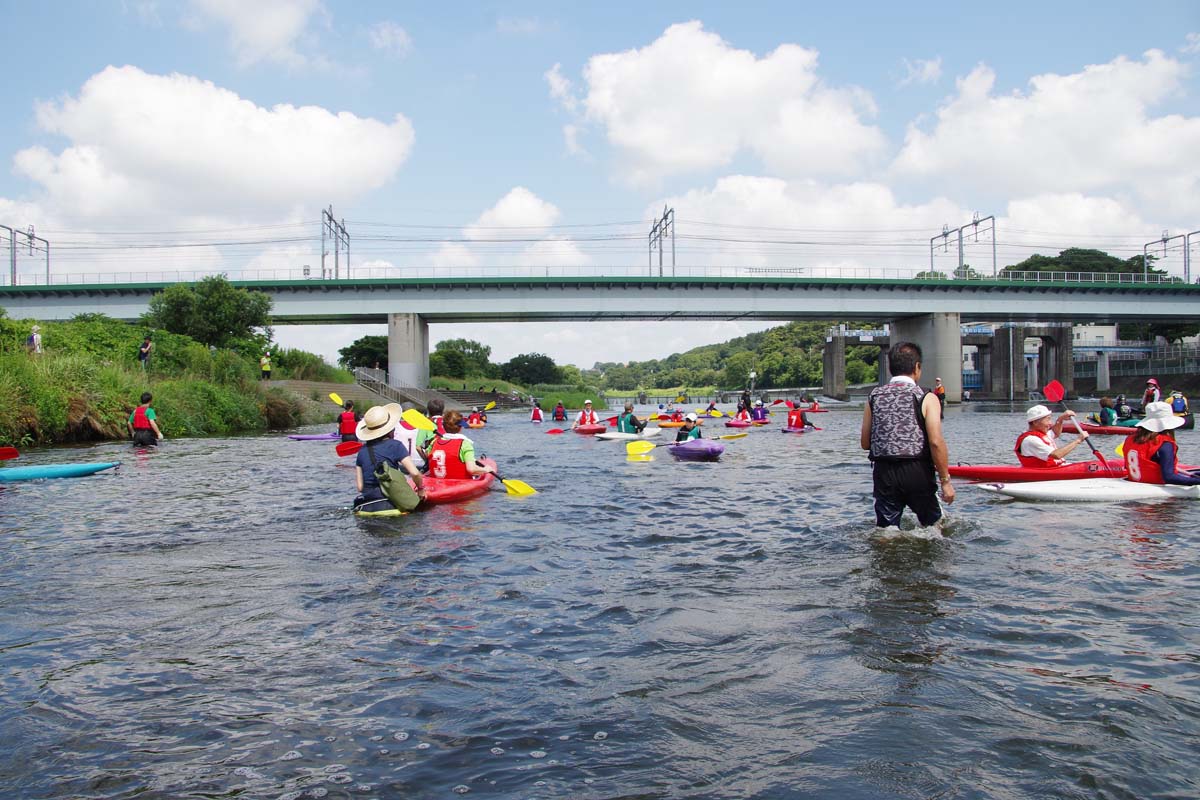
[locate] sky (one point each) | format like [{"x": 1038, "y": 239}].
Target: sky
[{"x": 206, "y": 136}]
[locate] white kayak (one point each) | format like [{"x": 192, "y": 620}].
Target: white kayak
[
  {"x": 1091, "y": 490},
  {"x": 614, "y": 435}
]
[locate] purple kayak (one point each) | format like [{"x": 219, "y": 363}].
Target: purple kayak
[
  {"x": 313, "y": 437},
  {"x": 697, "y": 450},
  {"x": 800, "y": 430}
]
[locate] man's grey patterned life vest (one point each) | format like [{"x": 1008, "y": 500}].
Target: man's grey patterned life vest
[{"x": 897, "y": 427}]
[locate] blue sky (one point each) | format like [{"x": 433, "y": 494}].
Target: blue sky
[{"x": 862, "y": 127}]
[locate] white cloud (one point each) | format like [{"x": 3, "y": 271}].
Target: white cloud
[
  {"x": 390, "y": 38},
  {"x": 171, "y": 147},
  {"x": 561, "y": 88},
  {"x": 1191, "y": 44},
  {"x": 520, "y": 210},
  {"x": 571, "y": 140},
  {"x": 1091, "y": 132},
  {"x": 264, "y": 30},
  {"x": 921, "y": 70},
  {"x": 689, "y": 101}
]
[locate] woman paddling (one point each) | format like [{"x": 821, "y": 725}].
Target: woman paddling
[
  {"x": 452, "y": 454},
  {"x": 1151, "y": 454},
  {"x": 379, "y": 448}
]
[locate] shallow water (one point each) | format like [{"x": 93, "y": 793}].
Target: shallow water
[{"x": 210, "y": 620}]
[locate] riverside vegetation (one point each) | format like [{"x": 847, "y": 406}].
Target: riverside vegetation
[{"x": 87, "y": 381}]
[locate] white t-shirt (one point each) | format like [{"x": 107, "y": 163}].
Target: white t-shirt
[{"x": 1036, "y": 447}]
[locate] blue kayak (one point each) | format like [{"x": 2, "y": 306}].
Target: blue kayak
[{"x": 54, "y": 471}]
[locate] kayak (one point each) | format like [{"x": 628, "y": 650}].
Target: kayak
[
  {"x": 1093, "y": 490},
  {"x": 800, "y": 430},
  {"x": 454, "y": 490},
  {"x": 476, "y": 424},
  {"x": 738, "y": 423},
  {"x": 670, "y": 424},
  {"x": 760, "y": 422},
  {"x": 54, "y": 471},
  {"x": 314, "y": 437},
  {"x": 617, "y": 435},
  {"x": 386, "y": 509},
  {"x": 591, "y": 430},
  {"x": 1104, "y": 430},
  {"x": 1015, "y": 473},
  {"x": 697, "y": 450}
]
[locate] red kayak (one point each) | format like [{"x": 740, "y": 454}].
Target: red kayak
[
  {"x": 738, "y": 423},
  {"x": 1103, "y": 430},
  {"x": 453, "y": 490},
  {"x": 1015, "y": 473},
  {"x": 591, "y": 430}
]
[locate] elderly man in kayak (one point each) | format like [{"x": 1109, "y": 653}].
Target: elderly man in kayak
[
  {"x": 585, "y": 417},
  {"x": 628, "y": 423},
  {"x": 1038, "y": 446}
]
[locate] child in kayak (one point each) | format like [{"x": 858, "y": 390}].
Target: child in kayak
[
  {"x": 143, "y": 426},
  {"x": 690, "y": 429},
  {"x": 452, "y": 455},
  {"x": 1151, "y": 453}
]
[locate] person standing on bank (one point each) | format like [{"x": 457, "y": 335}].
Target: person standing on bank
[
  {"x": 902, "y": 431},
  {"x": 264, "y": 364},
  {"x": 33, "y": 343},
  {"x": 144, "y": 352},
  {"x": 939, "y": 391}
]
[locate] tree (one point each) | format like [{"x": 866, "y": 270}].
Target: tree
[
  {"x": 475, "y": 356},
  {"x": 737, "y": 369},
  {"x": 931, "y": 275},
  {"x": 530, "y": 368},
  {"x": 448, "y": 364},
  {"x": 966, "y": 272},
  {"x": 365, "y": 352},
  {"x": 213, "y": 312},
  {"x": 1079, "y": 259},
  {"x": 570, "y": 375}
]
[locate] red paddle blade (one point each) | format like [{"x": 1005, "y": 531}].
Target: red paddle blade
[
  {"x": 348, "y": 448},
  {"x": 777, "y": 402},
  {"x": 789, "y": 404},
  {"x": 8, "y": 452},
  {"x": 555, "y": 430},
  {"x": 1054, "y": 391}
]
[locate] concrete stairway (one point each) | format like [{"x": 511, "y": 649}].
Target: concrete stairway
[
  {"x": 363, "y": 397},
  {"x": 481, "y": 399}
]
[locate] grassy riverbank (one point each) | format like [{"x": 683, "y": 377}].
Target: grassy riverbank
[{"x": 88, "y": 380}]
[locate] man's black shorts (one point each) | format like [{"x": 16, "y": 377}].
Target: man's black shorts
[{"x": 905, "y": 483}]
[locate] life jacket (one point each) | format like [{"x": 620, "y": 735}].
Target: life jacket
[
  {"x": 348, "y": 423},
  {"x": 445, "y": 460},
  {"x": 897, "y": 427},
  {"x": 1124, "y": 411},
  {"x": 625, "y": 423},
  {"x": 441, "y": 431},
  {"x": 141, "y": 422},
  {"x": 1033, "y": 462},
  {"x": 560, "y": 413},
  {"x": 1151, "y": 396},
  {"x": 1139, "y": 460},
  {"x": 536, "y": 414},
  {"x": 587, "y": 417},
  {"x": 677, "y": 416},
  {"x": 1179, "y": 404},
  {"x": 759, "y": 413},
  {"x": 795, "y": 418},
  {"x": 1108, "y": 416},
  {"x": 474, "y": 419},
  {"x": 743, "y": 415}
]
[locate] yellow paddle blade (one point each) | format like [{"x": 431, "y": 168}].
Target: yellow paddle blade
[
  {"x": 418, "y": 420},
  {"x": 517, "y": 487},
  {"x": 639, "y": 458},
  {"x": 490, "y": 406},
  {"x": 732, "y": 436},
  {"x": 1120, "y": 449},
  {"x": 716, "y": 413},
  {"x": 639, "y": 448},
  {"x": 337, "y": 398}
]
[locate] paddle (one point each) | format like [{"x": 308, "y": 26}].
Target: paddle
[
  {"x": 1055, "y": 392},
  {"x": 556, "y": 430},
  {"x": 8, "y": 452},
  {"x": 640, "y": 448},
  {"x": 418, "y": 420},
  {"x": 348, "y": 448},
  {"x": 337, "y": 398},
  {"x": 777, "y": 402},
  {"x": 490, "y": 406},
  {"x": 513, "y": 486}
]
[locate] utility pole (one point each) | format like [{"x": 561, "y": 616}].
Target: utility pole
[
  {"x": 657, "y": 231},
  {"x": 337, "y": 231},
  {"x": 974, "y": 226},
  {"x": 1166, "y": 237},
  {"x": 1187, "y": 256},
  {"x": 29, "y": 234}
]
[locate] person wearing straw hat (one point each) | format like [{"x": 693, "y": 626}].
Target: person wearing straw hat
[
  {"x": 1151, "y": 455},
  {"x": 1038, "y": 446},
  {"x": 33, "y": 343},
  {"x": 379, "y": 447}
]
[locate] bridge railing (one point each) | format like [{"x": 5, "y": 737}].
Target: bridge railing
[{"x": 679, "y": 273}]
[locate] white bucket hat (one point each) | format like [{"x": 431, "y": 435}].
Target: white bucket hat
[
  {"x": 1037, "y": 412},
  {"x": 1160, "y": 417},
  {"x": 379, "y": 421}
]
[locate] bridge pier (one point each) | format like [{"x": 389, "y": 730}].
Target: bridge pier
[
  {"x": 1103, "y": 382},
  {"x": 1006, "y": 364},
  {"x": 408, "y": 350},
  {"x": 940, "y": 339},
  {"x": 833, "y": 368},
  {"x": 1056, "y": 358}
]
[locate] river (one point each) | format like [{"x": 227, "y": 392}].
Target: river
[{"x": 211, "y": 621}]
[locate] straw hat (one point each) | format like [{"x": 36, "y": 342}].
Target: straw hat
[
  {"x": 378, "y": 422},
  {"x": 1160, "y": 417},
  {"x": 35, "y": 329},
  {"x": 1036, "y": 413}
]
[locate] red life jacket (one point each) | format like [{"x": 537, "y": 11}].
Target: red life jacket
[
  {"x": 1034, "y": 462},
  {"x": 441, "y": 431},
  {"x": 560, "y": 412},
  {"x": 536, "y": 415},
  {"x": 677, "y": 416},
  {"x": 348, "y": 424},
  {"x": 743, "y": 415},
  {"x": 795, "y": 418},
  {"x": 140, "y": 421},
  {"x": 587, "y": 417},
  {"x": 474, "y": 419},
  {"x": 445, "y": 460},
  {"x": 1140, "y": 463}
]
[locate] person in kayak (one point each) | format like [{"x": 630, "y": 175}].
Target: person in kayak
[
  {"x": 560, "y": 413},
  {"x": 1108, "y": 414},
  {"x": 628, "y": 423},
  {"x": 586, "y": 416},
  {"x": 1153, "y": 394},
  {"x": 1038, "y": 446},
  {"x": 743, "y": 414},
  {"x": 759, "y": 414},
  {"x": 798, "y": 418},
  {"x": 435, "y": 409},
  {"x": 476, "y": 419},
  {"x": 1151, "y": 453},
  {"x": 1179, "y": 404},
  {"x": 712, "y": 406},
  {"x": 690, "y": 429},
  {"x": 379, "y": 448},
  {"x": 143, "y": 425},
  {"x": 535, "y": 414},
  {"x": 1123, "y": 409},
  {"x": 902, "y": 432},
  {"x": 348, "y": 421},
  {"x": 452, "y": 454}
]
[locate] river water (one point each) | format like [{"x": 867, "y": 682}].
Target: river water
[{"x": 211, "y": 621}]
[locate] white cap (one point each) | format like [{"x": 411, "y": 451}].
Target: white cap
[
  {"x": 1037, "y": 412},
  {"x": 587, "y": 402},
  {"x": 691, "y": 417},
  {"x": 1160, "y": 417}
]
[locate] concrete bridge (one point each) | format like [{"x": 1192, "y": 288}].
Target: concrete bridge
[{"x": 928, "y": 312}]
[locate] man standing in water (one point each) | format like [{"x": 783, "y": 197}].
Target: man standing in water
[{"x": 902, "y": 430}]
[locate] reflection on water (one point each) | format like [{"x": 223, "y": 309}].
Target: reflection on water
[{"x": 211, "y": 621}]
